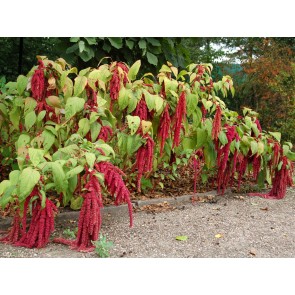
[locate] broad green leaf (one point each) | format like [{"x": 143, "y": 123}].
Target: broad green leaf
[
  {"x": 59, "y": 177},
  {"x": 123, "y": 99},
  {"x": 49, "y": 139},
  {"x": 276, "y": 135},
  {"x": 21, "y": 84},
  {"x": 107, "y": 149},
  {"x": 76, "y": 203},
  {"x": 14, "y": 177},
  {"x": 254, "y": 147},
  {"x": 142, "y": 44},
  {"x": 202, "y": 136},
  {"x": 222, "y": 137},
  {"x": 4, "y": 185},
  {"x": 84, "y": 127},
  {"x": 36, "y": 156},
  {"x": 260, "y": 147},
  {"x": 290, "y": 155},
  {"x": 95, "y": 128},
  {"x": 73, "y": 106},
  {"x": 158, "y": 102},
  {"x": 116, "y": 42},
  {"x": 134, "y": 70},
  {"x": 41, "y": 116},
  {"x": 30, "y": 105},
  {"x": 80, "y": 84},
  {"x": 150, "y": 100},
  {"x": 23, "y": 140},
  {"x": 30, "y": 120},
  {"x": 133, "y": 123},
  {"x": 74, "y": 171},
  {"x": 29, "y": 177},
  {"x": 14, "y": 117},
  {"x": 90, "y": 159},
  {"x": 152, "y": 59}
]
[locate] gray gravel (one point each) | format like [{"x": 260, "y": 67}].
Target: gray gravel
[{"x": 249, "y": 227}]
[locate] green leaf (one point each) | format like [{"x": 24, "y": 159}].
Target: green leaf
[
  {"x": 21, "y": 84},
  {"x": 290, "y": 155},
  {"x": 254, "y": 147},
  {"x": 181, "y": 238},
  {"x": 116, "y": 42},
  {"x": 130, "y": 44},
  {"x": 276, "y": 135},
  {"x": 29, "y": 177},
  {"x": 30, "y": 120},
  {"x": 152, "y": 59},
  {"x": 133, "y": 123},
  {"x": 59, "y": 177},
  {"x": 90, "y": 159},
  {"x": 260, "y": 147},
  {"x": 76, "y": 203},
  {"x": 142, "y": 44},
  {"x": 80, "y": 84},
  {"x": 123, "y": 99},
  {"x": 4, "y": 185},
  {"x": 81, "y": 46},
  {"x": 74, "y": 171},
  {"x": 41, "y": 116},
  {"x": 73, "y": 106},
  {"x": 23, "y": 140},
  {"x": 222, "y": 137},
  {"x": 14, "y": 177},
  {"x": 49, "y": 139},
  {"x": 202, "y": 136},
  {"x": 95, "y": 128},
  {"x": 134, "y": 70},
  {"x": 84, "y": 127},
  {"x": 36, "y": 156},
  {"x": 158, "y": 102},
  {"x": 14, "y": 117}
]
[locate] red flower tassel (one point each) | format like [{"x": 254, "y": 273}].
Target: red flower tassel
[
  {"x": 38, "y": 82},
  {"x": 144, "y": 159},
  {"x": 141, "y": 109},
  {"x": 180, "y": 114},
  {"x": 164, "y": 127},
  {"x": 115, "y": 185},
  {"x": 216, "y": 123}
]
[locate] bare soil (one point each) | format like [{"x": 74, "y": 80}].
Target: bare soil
[{"x": 233, "y": 225}]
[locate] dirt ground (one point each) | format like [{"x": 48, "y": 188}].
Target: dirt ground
[{"x": 230, "y": 226}]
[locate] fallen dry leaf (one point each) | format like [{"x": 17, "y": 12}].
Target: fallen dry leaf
[
  {"x": 265, "y": 209},
  {"x": 252, "y": 251},
  {"x": 239, "y": 197}
]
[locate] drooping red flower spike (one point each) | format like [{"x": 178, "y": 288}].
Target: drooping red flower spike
[
  {"x": 115, "y": 184},
  {"x": 141, "y": 109},
  {"x": 164, "y": 128},
  {"x": 38, "y": 82},
  {"x": 216, "y": 128},
  {"x": 180, "y": 114},
  {"x": 144, "y": 159}
]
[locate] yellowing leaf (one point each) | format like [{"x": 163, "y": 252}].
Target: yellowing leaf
[
  {"x": 218, "y": 236},
  {"x": 145, "y": 126}
]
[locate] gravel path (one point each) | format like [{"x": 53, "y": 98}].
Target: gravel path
[{"x": 233, "y": 227}]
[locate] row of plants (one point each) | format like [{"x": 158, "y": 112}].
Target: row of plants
[{"x": 71, "y": 137}]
